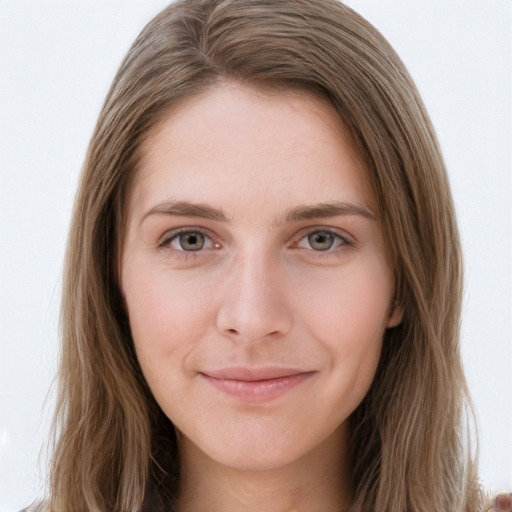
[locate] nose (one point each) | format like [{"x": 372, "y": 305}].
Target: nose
[{"x": 254, "y": 303}]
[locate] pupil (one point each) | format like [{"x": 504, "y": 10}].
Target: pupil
[
  {"x": 192, "y": 241},
  {"x": 321, "y": 241}
]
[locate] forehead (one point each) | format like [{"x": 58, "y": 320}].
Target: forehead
[{"x": 244, "y": 146}]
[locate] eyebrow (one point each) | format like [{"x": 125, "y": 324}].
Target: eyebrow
[
  {"x": 299, "y": 213},
  {"x": 187, "y": 209},
  {"x": 326, "y": 210}
]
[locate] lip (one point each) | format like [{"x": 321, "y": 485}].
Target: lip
[{"x": 256, "y": 385}]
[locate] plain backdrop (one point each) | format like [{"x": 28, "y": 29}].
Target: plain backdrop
[{"x": 57, "y": 59}]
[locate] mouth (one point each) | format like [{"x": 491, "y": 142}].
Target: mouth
[{"x": 256, "y": 385}]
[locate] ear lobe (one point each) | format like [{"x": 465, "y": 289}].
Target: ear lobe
[{"x": 396, "y": 314}]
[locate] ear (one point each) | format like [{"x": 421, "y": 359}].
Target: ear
[{"x": 395, "y": 315}]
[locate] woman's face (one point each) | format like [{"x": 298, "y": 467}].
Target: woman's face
[{"x": 254, "y": 277}]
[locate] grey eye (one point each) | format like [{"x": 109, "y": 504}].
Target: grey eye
[
  {"x": 321, "y": 240},
  {"x": 191, "y": 241}
]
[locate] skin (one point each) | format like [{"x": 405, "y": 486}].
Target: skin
[
  {"x": 502, "y": 502},
  {"x": 275, "y": 284}
]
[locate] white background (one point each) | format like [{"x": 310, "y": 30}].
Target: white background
[{"x": 57, "y": 60}]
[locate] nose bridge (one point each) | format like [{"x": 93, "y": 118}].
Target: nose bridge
[{"x": 255, "y": 303}]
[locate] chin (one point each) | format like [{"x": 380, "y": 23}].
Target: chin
[{"x": 268, "y": 447}]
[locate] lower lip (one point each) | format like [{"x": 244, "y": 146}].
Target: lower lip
[{"x": 258, "y": 391}]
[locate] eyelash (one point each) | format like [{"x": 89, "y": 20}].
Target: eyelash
[
  {"x": 170, "y": 236},
  {"x": 340, "y": 241}
]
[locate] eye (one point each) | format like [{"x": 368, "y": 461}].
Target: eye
[
  {"x": 322, "y": 240},
  {"x": 187, "y": 241}
]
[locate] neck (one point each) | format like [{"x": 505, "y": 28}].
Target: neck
[{"x": 318, "y": 482}]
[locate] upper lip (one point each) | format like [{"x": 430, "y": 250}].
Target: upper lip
[{"x": 253, "y": 374}]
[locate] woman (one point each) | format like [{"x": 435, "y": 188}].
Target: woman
[{"x": 263, "y": 222}]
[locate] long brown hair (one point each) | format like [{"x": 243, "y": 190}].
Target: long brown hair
[{"x": 115, "y": 449}]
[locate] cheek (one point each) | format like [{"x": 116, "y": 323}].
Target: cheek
[
  {"x": 351, "y": 305},
  {"x": 348, "y": 314},
  {"x": 166, "y": 315}
]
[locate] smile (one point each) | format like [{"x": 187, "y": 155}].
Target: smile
[{"x": 256, "y": 386}]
